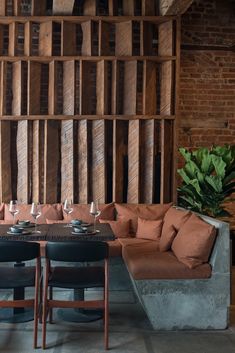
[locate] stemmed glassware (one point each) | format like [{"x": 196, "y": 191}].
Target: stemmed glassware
[
  {"x": 13, "y": 209},
  {"x": 36, "y": 213},
  {"x": 68, "y": 208},
  {"x": 95, "y": 211}
]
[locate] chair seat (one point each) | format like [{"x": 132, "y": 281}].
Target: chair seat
[
  {"x": 77, "y": 277},
  {"x": 17, "y": 277}
]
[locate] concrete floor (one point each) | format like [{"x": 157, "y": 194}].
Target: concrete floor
[{"x": 130, "y": 332}]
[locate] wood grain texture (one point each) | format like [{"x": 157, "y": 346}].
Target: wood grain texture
[
  {"x": 67, "y": 160},
  {"x": 147, "y": 161},
  {"x": 68, "y": 87},
  {"x": 102, "y": 88},
  {"x": 148, "y": 7},
  {"x": 89, "y": 8},
  {"x": 34, "y": 87},
  {"x": 113, "y": 7},
  {"x": 82, "y": 163},
  {"x": 45, "y": 39},
  {"x": 13, "y": 34},
  {"x": 37, "y": 143},
  {"x": 165, "y": 32},
  {"x": 130, "y": 87},
  {"x": 123, "y": 38},
  {"x": 52, "y": 162},
  {"x": 3, "y": 7},
  {"x": 62, "y": 7},
  {"x": 129, "y": 7},
  {"x": 17, "y": 87},
  {"x": 87, "y": 38},
  {"x": 166, "y": 161},
  {"x": 174, "y": 7},
  {"x": 5, "y": 162},
  {"x": 68, "y": 46},
  {"x": 23, "y": 161},
  {"x": 3, "y": 80},
  {"x": 28, "y": 39},
  {"x": 133, "y": 195},
  {"x": 52, "y": 89},
  {"x": 17, "y": 7},
  {"x": 166, "y": 88},
  {"x": 149, "y": 88},
  {"x": 38, "y": 8}
]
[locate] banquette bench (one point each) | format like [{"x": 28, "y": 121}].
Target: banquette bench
[{"x": 178, "y": 262}]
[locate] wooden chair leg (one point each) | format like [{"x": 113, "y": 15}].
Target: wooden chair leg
[
  {"x": 50, "y": 311},
  {"x": 106, "y": 308},
  {"x": 36, "y": 315},
  {"x": 45, "y": 309}
]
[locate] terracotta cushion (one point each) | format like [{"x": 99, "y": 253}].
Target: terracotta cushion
[
  {"x": 133, "y": 242},
  {"x": 115, "y": 248},
  {"x": 2, "y": 211},
  {"x": 194, "y": 242},
  {"x": 82, "y": 211},
  {"x": 149, "y": 229},
  {"x": 167, "y": 239},
  {"x": 144, "y": 262},
  {"x": 120, "y": 228},
  {"x": 51, "y": 221},
  {"x": 176, "y": 218},
  {"x": 133, "y": 211},
  {"x": 53, "y": 212}
]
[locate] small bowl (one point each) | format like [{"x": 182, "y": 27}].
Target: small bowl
[
  {"x": 24, "y": 223},
  {"x": 76, "y": 222},
  {"x": 16, "y": 230},
  {"x": 79, "y": 230}
]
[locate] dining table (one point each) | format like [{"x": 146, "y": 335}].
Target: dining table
[{"x": 53, "y": 232}]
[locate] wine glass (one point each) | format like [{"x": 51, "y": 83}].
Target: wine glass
[
  {"x": 95, "y": 211},
  {"x": 13, "y": 209},
  {"x": 68, "y": 208},
  {"x": 36, "y": 213}
]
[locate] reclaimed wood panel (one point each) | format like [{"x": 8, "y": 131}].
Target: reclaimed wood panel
[
  {"x": 17, "y": 7},
  {"x": 123, "y": 39},
  {"x": 148, "y": 7},
  {"x": 149, "y": 88},
  {"x": 128, "y": 7},
  {"x": 133, "y": 195},
  {"x": 82, "y": 162},
  {"x": 165, "y": 33},
  {"x": 166, "y": 160},
  {"x": 37, "y": 192},
  {"x": 130, "y": 87},
  {"x": 62, "y": 7},
  {"x": 52, "y": 89},
  {"x": 114, "y": 88},
  {"x": 5, "y": 162},
  {"x": 17, "y": 87},
  {"x": 102, "y": 88},
  {"x": 3, "y": 7},
  {"x": 52, "y": 161},
  {"x": 45, "y": 39},
  {"x": 166, "y": 104},
  {"x": 3, "y": 85},
  {"x": 34, "y": 87},
  {"x": 28, "y": 38},
  {"x": 113, "y": 7},
  {"x": 87, "y": 38},
  {"x": 22, "y": 144},
  {"x": 13, "y": 34},
  {"x": 89, "y": 8},
  {"x": 38, "y": 8},
  {"x": 68, "y": 47}
]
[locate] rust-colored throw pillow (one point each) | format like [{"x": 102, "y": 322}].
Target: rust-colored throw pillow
[
  {"x": 53, "y": 212},
  {"x": 149, "y": 229},
  {"x": 167, "y": 239},
  {"x": 133, "y": 211},
  {"x": 82, "y": 211},
  {"x": 194, "y": 242},
  {"x": 121, "y": 229},
  {"x": 173, "y": 221}
]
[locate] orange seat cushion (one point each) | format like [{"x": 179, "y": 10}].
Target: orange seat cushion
[
  {"x": 194, "y": 242},
  {"x": 149, "y": 229},
  {"x": 133, "y": 211},
  {"x": 82, "y": 211},
  {"x": 120, "y": 228},
  {"x": 145, "y": 262}
]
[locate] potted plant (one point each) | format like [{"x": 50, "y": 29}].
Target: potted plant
[{"x": 208, "y": 179}]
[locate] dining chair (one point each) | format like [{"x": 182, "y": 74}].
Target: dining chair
[
  {"x": 15, "y": 277},
  {"x": 89, "y": 275}
]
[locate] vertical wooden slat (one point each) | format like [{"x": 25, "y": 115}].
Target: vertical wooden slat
[
  {"x": 87, "y": 38},
  {"x": 5, "y": 162},
  {"x": 17, "y": 87},
  {"x": 28, "y": 38},
  {"x": 148, "y": 8},
  {"x": 113, "y": 8},
  {"x": 67, "y": 133},
  {"x": 149, "y": 88},
  {"x": 52, "y": 89},
  {"x": 68, "y": 38},
  {"x": 63, "y": 7},
  {"x": 166, "y": 88},
  {"x": 1, "y": 39},
  {"x": 166, "y": 160},
  {"x": 104, "y": 33},
  {"x": 38, "y": 8},
  {"x": 13, "y": 34},
  {"x": 123, "y": 39},
  {"x": 129, "y": 7},
  {"x": 120, "y": 135},
  {"x": 3, "y": 7},
  {"x": 17, "y": 7},
  {"x": 165, "y": 33},
  {"x": 52, "y": 162},
  {"x": 83, "y": 162},
  {"x": 98, "y": 165},
  {"x": 34, "y": 87},
  {"x": 133, "y": 195},
  {"x": 37, "y": 160},
  {"x": 45, "y": 39},
  {"x": 115, "y": 92},
  {"x": 23, "y": 161},
  {"x": 102, "y": 88},
  {"x": 146, "y": 38},
  {"x": 89, "y": 8},
  {"x": 3, "y": 87},
  {"x": 147, "y": 166},
  {"x": 130, "y": 87}
]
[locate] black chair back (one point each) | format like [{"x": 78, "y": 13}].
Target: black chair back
[
  {"x": 13, "y": 250},
  {"x": 77, "y": 251}
]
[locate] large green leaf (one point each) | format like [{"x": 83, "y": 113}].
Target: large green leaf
[
  {"x": 215, "y": 182},
  {"x": 183, "y": 175},
  {"x": 191, "y": 169},
  {"x": 219, "y": 165},
  {"x": 186, "y": 154},
  {"x": 229, "y": 177},
  {"x": 206, "y": 165},
  {"x": 224, "y": 152},
  {"x": 199, "y": 154},
  {"x": 196, "y": 185}
]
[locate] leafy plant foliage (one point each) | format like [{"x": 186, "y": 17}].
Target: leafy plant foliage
[{"x": 208, "y": 179}]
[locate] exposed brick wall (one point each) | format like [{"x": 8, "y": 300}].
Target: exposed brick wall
[{"x": 207, "y": 80}]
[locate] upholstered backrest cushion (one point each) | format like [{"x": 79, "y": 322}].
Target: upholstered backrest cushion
[
  {"x": 133, "y": 211},
  {"x": 167, "y": 239},
  {"x": 149, "y": 229},
  {"x": 120, "y": 228},
  {"x": 2, "y": 205},
  {"x": 173, "y": 221},
  {"x": 194, "y": 242},
  {"x": 82, "y": 211},
  {"x": 52, "y": 212}
]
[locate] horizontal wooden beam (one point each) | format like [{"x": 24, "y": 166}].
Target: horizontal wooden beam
[
  {"x": 174, "y": 7},
  {"x": 86, "y": 117},
  {"x": 46, "y": 59}
]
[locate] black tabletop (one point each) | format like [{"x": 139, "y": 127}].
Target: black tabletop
[{"x": 57, "y": 232}]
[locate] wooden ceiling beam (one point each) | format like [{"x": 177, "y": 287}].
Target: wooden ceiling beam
[
  {"x": 63, "y": 7},
  {"x": 174, "y": 7}
]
